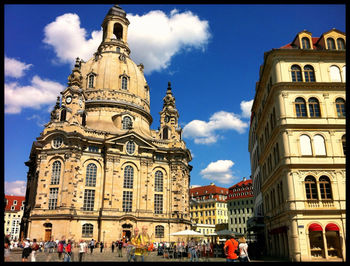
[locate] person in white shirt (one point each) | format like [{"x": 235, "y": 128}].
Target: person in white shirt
[
  {"x": 82, "y": 249},
  {"x": 243, "y": 250}
]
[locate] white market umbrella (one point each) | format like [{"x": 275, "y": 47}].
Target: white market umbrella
[{"x": 188, "y": 233}]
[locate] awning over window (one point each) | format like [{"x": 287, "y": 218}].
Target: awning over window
[
  {"x": 315, "y": 227},
  {"x": 332, "y": 227}
]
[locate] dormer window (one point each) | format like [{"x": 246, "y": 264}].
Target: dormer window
[
  {"x": 305, "y": 43},
  {"x": 124, "y": 83},
  {"x": 91, "y": 81},
  {"x": 341, "y": 44},
  {"x": 331, "y": 44}
]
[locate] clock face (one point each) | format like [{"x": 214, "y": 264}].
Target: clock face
[{"x": 68, "y": 99}]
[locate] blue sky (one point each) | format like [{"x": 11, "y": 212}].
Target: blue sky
[{"x": 210, "y": 53}]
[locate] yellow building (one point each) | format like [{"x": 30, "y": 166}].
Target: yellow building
[
  {"x": 98, "y": 170},
  {"x": 208, "y": 207},
  {"x": 297, "y": 146},
  {"x": 14, "y": 206}
]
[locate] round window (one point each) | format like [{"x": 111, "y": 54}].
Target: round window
[
  {"x": 130, "y": 147},
  {"x": 57, "y": 142}
]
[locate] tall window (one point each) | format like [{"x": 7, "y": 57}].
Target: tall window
[
  {"x": 334, "y": 72},
  {"x": 158, "y": 181},
  {"x": 127, "y": 201},
  {"x": 343, "y": 141},
  {"x": 63, "y": 115},
  {"x": 87, "y": 230},
  {"x": 83, "y": 119},
  {"x": 300, "y": 107},
  {"x": 53, "y": 198},
  {"x": 320, "y": 148},
  {"x": 305, "y": 43},
  {"x": 124, "y": 83},
  {"x": 91, "y": 81},
  {"x": 341, "y": 44},
  {"x": 91, "y": 171},
  {"x": 305, "y": 145},
  {"x": 340, "y": 104},
  {"x": 309, "y": 73},
  {"x": 314, "y": 107},
  {"x": 159, "y": 231},
  {"x": 158, "y": 203},
  {"x": 310, "y": 188},
  {"x": 89, "y": 200},
  {"x": 127, "y": 123},
  {"x": 331, "y": 44},
  {"x": 325, "y": 188},
  {"x": 56, "y": 173},
  {"x": 296, "y": 73},
  {"x": 128, "y": 177},
  {"x": 165, "y": 133}
]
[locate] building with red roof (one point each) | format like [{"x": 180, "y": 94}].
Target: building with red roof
[{"x": 13, "y": 215}]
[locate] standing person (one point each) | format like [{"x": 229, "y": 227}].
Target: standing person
[
  {"x": 136, "y": 242},
  {"x": 92, "y": 245},
  {"x": 112, "y": 247},
  {"x": 7, "y": 248},
  {"x": 120, "y": 248},
  {"x": 229, "y": 248},
  {"x": 60, "y": 247},
  {"x": 82, "y": 249},
  {"x": 68, "y": 251},
  {"x": 192, "y": 250},
  {"x": 101, "y": 247},
  {"x": 145, "y": 242},
  {"x": 26, "y": 250},
  {"x": 34, "y": 247},
  {"x": 243, "y": 250}
]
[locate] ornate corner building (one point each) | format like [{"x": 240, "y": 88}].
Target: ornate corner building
[
  {"x": 297, "y": 146},
  {"x": 14, "y": 206},
  {"x": 98, "y": 170}
]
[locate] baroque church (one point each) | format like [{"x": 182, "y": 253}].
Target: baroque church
[{"x": 98, "y": 170}]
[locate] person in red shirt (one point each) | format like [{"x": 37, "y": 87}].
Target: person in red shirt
[{"x": 229, "y": 248}]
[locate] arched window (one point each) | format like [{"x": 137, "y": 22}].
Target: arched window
[
  {"x": 343, "y": 141},
  {"x": 311, "y": 188},
  {"x": 87, "y": 230},
  {"x": 305, "y": 145},
  {"x": 127, "y": 122},
  {"x": 91, "y": 171},
  {"x": 158, "y": 181},
  {"x": 124, "y": 83},
  {"x": 91, "y": 81},
  {"x": 340, "y": 105},
  {"x": 331, "y": 44},
  {"x": 296, "y": 73},
  {"x": 56, "y": 173},
  {"x": 118, "y": 31},
  {"x": 83, "y": 119},
  {"x": 334, "y": 72},
  {"x": 341, "y": 44},
  {"x": 319, "y": 145},
  {"x": 159, "y": 231},
  {"x": 314, "y": 107},
  {"x": 165, "y": 133},
  {"x": 305, "y": 43},
  {"x": 325, "y": 188},
  {"x": 309, "y": 73},
  {"x": 63, "y": 115},
  {"x": 128, "y": 177},
  {"x": 300, "y": 107}
]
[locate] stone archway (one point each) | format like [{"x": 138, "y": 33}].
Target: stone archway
[{"x": 126, "y": 231}]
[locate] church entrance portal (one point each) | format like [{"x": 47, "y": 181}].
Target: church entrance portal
[{"x": 127, "y": 228}]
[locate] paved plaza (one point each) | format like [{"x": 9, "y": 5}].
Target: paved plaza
[{"x": 108, "y": 256}]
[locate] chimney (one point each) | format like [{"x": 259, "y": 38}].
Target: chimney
[{"x": 244, "y": 179}]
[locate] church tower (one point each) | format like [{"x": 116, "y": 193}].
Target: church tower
[{"x": 98, "y": 170}]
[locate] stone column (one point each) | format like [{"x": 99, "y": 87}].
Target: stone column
[
  {"x": 294, "y": 241},
  {"x": 325, "y": 244}
]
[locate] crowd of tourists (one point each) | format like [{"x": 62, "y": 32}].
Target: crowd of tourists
[{"x": 139, "y": 246}]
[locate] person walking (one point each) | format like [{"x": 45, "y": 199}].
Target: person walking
[
  {"x": 35, "y": 248},
  {"x": 101, "y": 247},
  {"x": 192, "y": 250},
  {"x": 82, "y": 249},
  {"x": 60, "y": 247},
  {"x": 136, "y": 242},
  {"x": 112, "y": 246},
  {"x": 67, "y": 251},
  {"x": 120, "y": 248},
  {"x": 92, "y": 245},
  {"x": 243, "y": 250},
  {"x": 26, "y": 250},
  {"x": 145, "y": 242},
  {"x": 231, "y": 245}
]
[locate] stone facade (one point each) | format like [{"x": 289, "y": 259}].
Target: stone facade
[
  {"x": 98, "y": 170},
  {"x": 297, "y": 146}
]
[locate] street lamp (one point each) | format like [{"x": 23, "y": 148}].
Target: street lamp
[{"x": 104, "y": 232}]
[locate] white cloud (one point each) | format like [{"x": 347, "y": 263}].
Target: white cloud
[
  {"x": 154, "y": 38},
  {"x": 205, "y": 132},
  {"x": 219, "y": 171},
  {"x": 246, "y": 107},
  {"x": 69, "y": 40},
  {"x": 39, "y": 92},
  {"x": 16, "y": 188},
  {"x": 15, "y": 68}
]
